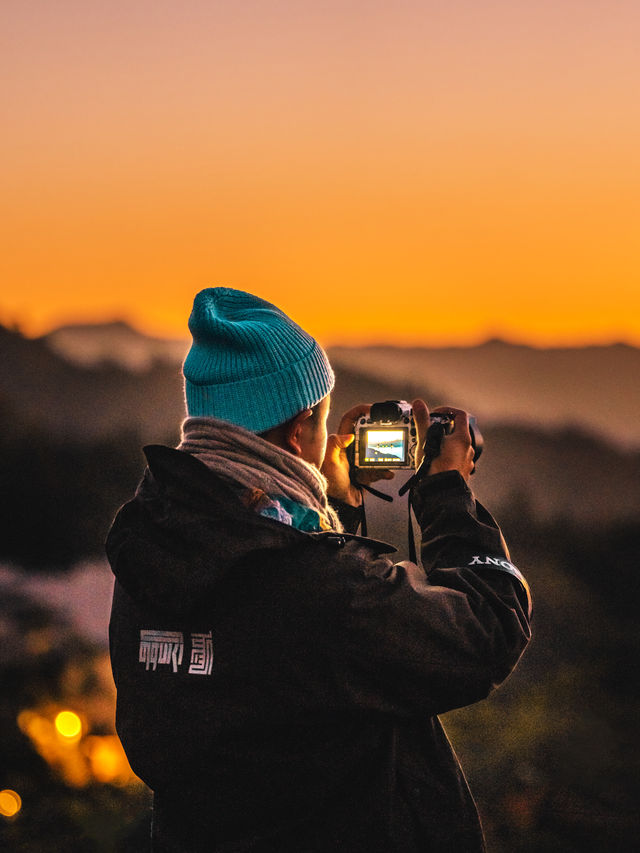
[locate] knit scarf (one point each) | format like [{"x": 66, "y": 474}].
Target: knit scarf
[{"x": 268, "y": 479}]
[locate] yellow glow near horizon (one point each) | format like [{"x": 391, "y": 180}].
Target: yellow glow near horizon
[{"x": 380, "y": 172}]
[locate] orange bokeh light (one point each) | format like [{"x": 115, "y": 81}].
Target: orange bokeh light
[
  {"x": 68, "y": 724},
  {"x": 10, "y": 803}
]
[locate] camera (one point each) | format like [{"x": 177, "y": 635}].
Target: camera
[{"x": 388, "y": 438}]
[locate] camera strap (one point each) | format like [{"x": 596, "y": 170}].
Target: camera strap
[
  {"x": 353, "y": 476},
  {"x": 432, "y": 447},
  {"x": 411, "y": 539},
  {"x": 377, "y": 494}
]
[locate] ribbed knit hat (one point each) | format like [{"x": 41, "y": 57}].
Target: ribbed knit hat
[{"x": 249, "y": 363}]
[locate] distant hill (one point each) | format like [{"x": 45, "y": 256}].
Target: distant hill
[
  {"x": 41, "y": 388},
  {"x": 116, "y": 343},
  {"x": 531, "y": 457},
  {"x": 594, "y": 388}
]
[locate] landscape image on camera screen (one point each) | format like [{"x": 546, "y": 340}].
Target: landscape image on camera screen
[{"x": 385, "y": 445}]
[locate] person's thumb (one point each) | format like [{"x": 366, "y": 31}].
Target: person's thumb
[
  {"x": 336, "y": 444},
  {"x": 345, "y": 440}
]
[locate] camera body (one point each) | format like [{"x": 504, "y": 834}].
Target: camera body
[{"x": 388, "y": 438}]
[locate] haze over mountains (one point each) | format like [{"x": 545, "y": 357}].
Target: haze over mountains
[
  {"x": 81, "y": 385},
  {"x": 41, "y": 389},
  {"x": 91, "y": 345},
  {"x": 594, "y": 388}
]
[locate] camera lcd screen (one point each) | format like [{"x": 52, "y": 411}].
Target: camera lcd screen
[{"x": 383, "y": 447}]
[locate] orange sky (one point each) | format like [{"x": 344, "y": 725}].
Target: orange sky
[{"x": 417, "y": 171}]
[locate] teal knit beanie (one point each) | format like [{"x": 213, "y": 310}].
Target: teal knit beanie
[{"x": 249, "y": 363}]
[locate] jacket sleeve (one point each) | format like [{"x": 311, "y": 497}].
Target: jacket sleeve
[{"x": 439, "y": 637}]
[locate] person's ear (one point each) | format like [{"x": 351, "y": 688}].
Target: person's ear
[{"x": 294, "y": 430}]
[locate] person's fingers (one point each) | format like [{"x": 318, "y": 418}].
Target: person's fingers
[
  {"x": 420, "y": 417},
  {"x": 349, "y": 419},
  {"x": 421, "y": 420},
  {"x": 461, "y": 429}
]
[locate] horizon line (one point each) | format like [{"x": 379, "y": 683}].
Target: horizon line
[{"x": 491, "y": 336}]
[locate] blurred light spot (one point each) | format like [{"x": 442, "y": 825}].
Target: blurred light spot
[
  {"x": 107, "y": 759},
  {"x": 80, "y": 758},
  {"x": 68, "y": 725},
  {"x": 58, "y": 749},
  {"x": 10, "y": 803}
]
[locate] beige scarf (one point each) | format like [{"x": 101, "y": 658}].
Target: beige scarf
[{"x": 260, "y": 468}]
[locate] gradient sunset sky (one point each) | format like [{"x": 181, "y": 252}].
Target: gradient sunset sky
[{"x": 415, "y": 172}]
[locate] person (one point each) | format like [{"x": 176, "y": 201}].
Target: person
[{"x": 279, "y": 677}]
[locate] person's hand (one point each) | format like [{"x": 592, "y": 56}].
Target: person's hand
[
  {"x": 456, "y": 453},
  {"x": 336, "y": 465}
]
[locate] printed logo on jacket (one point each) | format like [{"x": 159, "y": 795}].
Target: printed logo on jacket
[
  {"x": 166, "y": 649},
  {"x": 492, "y": 561}
]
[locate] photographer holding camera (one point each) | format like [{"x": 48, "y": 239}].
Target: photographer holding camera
[{"x": 279, "y": 677}]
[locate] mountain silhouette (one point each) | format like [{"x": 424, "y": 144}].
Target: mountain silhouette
[
  {"x": 595, "y": 389},
  {"x": 557, "y": 459}
]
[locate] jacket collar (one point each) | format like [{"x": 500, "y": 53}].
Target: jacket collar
[{"x": 187, "y": 477}]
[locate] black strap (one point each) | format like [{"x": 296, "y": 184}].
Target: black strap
[
  {"x": 353, "y": 476},
  {"x": 432, "y": 448},
  {"x": 381, "y": 495},
  {"x": 410, "y": 537},
  {"x": 363, "y": 520}
]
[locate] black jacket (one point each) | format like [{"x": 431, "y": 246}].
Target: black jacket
[{"x": 278, "y": 690}]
